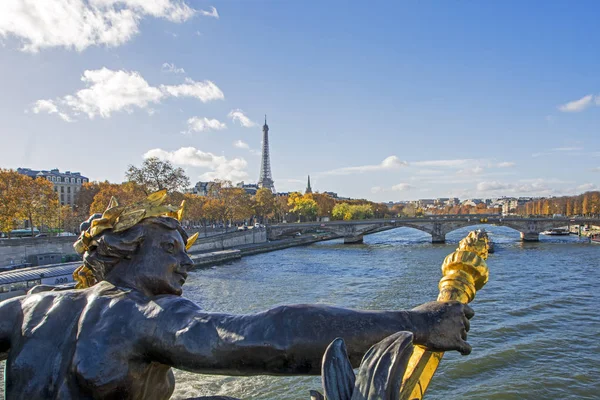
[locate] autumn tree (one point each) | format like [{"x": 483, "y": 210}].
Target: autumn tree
[
  {"x": 341, "y": 211},
  {"x": 239, "y": 204},
  {"x": 69, "y": 219},
  {"x": 302, "y": 205},
  {"x": 11, "y": 185},
  {"x": 85, "y": 197},
  {"x": 155, "y": 174},
  {"x": 325, "y": 203},
  {"x": 281, "y": 207},
  {"x": 125, "y": 193},
  {"x": 397, "y": 210},
  {"x": 264, "y": 203},
  {"x": 38, "y": 202},
  {"x": 349, "y": 212}
]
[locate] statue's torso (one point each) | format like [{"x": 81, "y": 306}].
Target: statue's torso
[{"x": 84, "y": 344}]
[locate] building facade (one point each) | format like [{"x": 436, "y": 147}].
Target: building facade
[{"x": 66, "y": 184}]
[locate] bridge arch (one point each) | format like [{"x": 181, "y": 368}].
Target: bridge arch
[{"x": 436, "y": 226}]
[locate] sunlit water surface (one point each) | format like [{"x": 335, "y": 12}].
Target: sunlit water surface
[{"x": 536, "y": 334}]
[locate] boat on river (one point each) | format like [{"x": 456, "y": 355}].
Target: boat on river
[
  {"x": 556, "y": 232},
  {"x": 595, "y": 239}
]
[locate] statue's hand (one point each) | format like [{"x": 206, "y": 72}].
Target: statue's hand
[{"x": 442, "y": 326}]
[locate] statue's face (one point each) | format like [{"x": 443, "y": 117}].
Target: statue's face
[{"x": 162, "y": 261}]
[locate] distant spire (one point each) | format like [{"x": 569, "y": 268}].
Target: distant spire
[
  {"x": 308, "y": 188},
  {"x": 265, "y": 119}
]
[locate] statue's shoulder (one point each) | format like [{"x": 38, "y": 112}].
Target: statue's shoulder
[{"x": 174, "y": 303}]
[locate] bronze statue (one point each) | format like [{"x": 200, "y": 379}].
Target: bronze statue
[{"x": 119, "y": 334}]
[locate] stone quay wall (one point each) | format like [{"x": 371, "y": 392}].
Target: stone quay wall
[
  {"x": 16, "y": 251},
  {"x": 230, "y": 240}
]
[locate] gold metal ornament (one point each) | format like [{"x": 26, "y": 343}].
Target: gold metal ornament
[{"x": 464, "y": 273}]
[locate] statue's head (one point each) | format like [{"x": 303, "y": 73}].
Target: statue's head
[{"x": 142, "y": 244}]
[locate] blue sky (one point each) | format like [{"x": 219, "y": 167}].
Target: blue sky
[{"x": 379, "y": 100}]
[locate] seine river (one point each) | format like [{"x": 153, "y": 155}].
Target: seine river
[{"x": 535, "y": 335}]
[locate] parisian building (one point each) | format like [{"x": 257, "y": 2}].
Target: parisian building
[{"x": 66, "y": 184}]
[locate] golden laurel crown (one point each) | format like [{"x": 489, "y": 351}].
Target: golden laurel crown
[{"x": 120, "y": 218}]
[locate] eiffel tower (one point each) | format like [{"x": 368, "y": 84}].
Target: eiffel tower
[{"x": 265, "y": 179}]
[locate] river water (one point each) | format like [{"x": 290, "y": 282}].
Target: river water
[{"x": 535, "y": 335}]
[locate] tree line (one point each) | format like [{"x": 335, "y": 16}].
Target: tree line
[
  {"x": 35, "y": 201},
  {"x": 586, "y": 204}
]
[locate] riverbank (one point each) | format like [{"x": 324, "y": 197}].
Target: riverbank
[{"x": 207, "y": 259}]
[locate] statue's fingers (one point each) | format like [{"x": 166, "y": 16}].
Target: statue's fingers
[
  {"x": 469, "y": 313},
  {"x": 464, "y": 348},
  {"x": 463, "y": 334},
  {"x": 466, "y": 324}
]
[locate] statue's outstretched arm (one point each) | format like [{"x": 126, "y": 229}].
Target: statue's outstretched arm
[
  {"x": 9, "y": 315},
  {"x": 284, "y": 340}
]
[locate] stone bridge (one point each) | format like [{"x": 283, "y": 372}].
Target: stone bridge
[{"x": 436, "y": 226}]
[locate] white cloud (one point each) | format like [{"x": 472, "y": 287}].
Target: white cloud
[
  {"x": 531, "y": 186},
  {"x": 238, "y": 115},
  {"x": 220, "y": 167},
  {"x": 78, "y": 24},
  {"x": 241, "y": 145},
  {"x": 212, "y": 13},
  {"x": 170, "y": 67},
  {"x": 402, "y": 187},
  {"x": 429, "y": 172},
  {"x": 586, "y": 187},
  {"x": 492, "y": 186},
  {"x": 389, "y": 163},
  {"x": 49, "y": 107},
  {"x": 505, "y": 164},
  {"x": 566, "y": 149},
  {"x": 197, "y": 124},
  {"x": 442, "y": 163},
  {"x": 578, "y": 105},
  {"x": 476, "y": 170},
  {"x": 597, "y": 169},
  {"x": 109, "y": 91},
  {"x": 204, "y": 91},
  {"x": 44, "y": 106},
  {"x": 376, "y": 189}
]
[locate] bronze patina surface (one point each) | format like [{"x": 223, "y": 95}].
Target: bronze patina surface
[{"x": 119, "y": 335}]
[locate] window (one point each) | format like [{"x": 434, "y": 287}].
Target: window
[
  {"x": 85, "y": 180},
  {"x": 49, "y": 178},
  {"x": 78, "y": 180},
  {"x": 62, "y": 197},
  {"x": 68, "y": 189},
  {"x": 67, "y": 180},
  {"x": 62, "y": 189}
]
